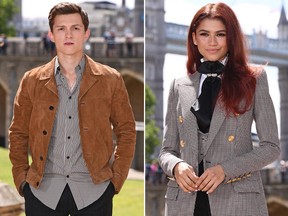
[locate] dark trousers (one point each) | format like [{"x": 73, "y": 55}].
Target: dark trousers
[
  {"x": 202, "y": 206},
  {"x": 67, "y": 206}
]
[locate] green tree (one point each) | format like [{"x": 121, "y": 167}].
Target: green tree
[
  {"x": 7, "y": 11},
  {"x": 151, "y": 130}
]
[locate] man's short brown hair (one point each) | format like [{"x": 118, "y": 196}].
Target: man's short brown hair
[{"x": 67, "y": 8}]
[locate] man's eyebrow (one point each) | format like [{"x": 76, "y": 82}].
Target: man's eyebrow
[{"x": 78, "y": 25}]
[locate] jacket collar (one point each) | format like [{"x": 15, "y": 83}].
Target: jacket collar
[
  {"x": 90, "y": 76},
  {"x": 47, "y": 73},
  {"x": 47, "y": 70}
]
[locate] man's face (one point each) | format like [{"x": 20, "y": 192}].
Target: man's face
[{"x": 69, "y": 34}]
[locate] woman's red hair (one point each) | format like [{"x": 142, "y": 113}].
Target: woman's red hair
[{"x": 238, "y": 80}]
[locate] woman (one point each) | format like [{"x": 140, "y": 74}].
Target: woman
[{"x": 207, "y": 149}]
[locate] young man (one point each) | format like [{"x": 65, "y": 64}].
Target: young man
[{"x": 64, "y": 114}]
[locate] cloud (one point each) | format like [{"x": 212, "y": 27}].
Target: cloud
[{"x": 257, "y": 17}]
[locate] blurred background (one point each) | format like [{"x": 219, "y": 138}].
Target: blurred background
[
  {"x": 117, "y": 39},
  {"x": 266, "y": 28}
]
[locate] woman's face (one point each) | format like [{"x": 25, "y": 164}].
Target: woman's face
[{"x": 210, "y": 38}]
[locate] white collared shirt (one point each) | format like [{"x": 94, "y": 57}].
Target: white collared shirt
[{"x": 204, "y": 76}]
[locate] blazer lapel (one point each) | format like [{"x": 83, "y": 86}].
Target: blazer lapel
[
  {"x": 188, "y": 94},
  {"x": 217, "y": 120},
  {"x": 188, "y": 91}
]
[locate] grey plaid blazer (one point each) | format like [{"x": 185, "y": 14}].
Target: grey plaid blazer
[{"x": 229, "y": 144}]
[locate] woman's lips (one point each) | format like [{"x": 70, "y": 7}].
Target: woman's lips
[{"x": 212, "y": 51}]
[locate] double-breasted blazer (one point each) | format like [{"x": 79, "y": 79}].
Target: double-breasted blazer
[{"x": 229, "y": 144}]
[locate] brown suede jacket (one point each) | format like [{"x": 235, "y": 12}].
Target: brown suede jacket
[{"x": 103, "y": 106}]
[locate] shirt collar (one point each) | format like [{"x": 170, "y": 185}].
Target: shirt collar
[
  {"x": 79, "y": 68},
  {"x": 224, "y": 61},
  {"x": 204, "y": 76}
]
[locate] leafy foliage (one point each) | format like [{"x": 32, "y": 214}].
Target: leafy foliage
[
  {"x": 151, "y": 130},
  {"x": 7, "y": 11}
]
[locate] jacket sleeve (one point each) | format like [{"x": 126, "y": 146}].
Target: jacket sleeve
[
  {"x": 266, "y": 126},
  {"x": 123, "y": 122},
  {"x": 170, "y": 153},
  {"x": 19, "y": 134}
]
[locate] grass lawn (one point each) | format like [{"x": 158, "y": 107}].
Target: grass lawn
[
  {"x": 5, "y": 173},
  {"x": 130, "y": 201}
]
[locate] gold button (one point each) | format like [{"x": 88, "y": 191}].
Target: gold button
[
  {"x": 180, "y": 119},
  {"x": 231, "y": 138},
  {"x": 182, "y": 143}
]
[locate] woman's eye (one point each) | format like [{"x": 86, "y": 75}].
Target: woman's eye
[
  {"x": 221, "y": 35},
  {"x": 204, "y": 34}
]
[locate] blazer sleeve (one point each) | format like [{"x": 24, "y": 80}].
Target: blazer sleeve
[
  {"x": 266, "y": 126},
  {"x": 170, "y": 153}
]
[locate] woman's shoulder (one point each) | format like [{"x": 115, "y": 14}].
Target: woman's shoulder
[
  {"x": 260, "y": 75},
  {"x": 188, "y": 79},
  {"x": 258, "y": 70}
]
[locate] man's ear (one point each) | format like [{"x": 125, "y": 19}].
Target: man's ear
[
  {"x": 87, "y": 34},
  {"x": 50, "y": 35}
]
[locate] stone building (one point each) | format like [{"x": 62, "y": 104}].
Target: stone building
[
  {"x": 155, "y": 43},
  {"x": 283, "y": 87}
]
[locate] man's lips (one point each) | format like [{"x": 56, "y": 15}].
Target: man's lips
[{"x": 68, "y": 43}]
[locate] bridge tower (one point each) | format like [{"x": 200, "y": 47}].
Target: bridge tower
[
  {"x": 155, "y": 42},
  {"x": 17, "y": 18},
  {"x": 283, "y": 88},
  {"x": 138, "y": 20}
]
